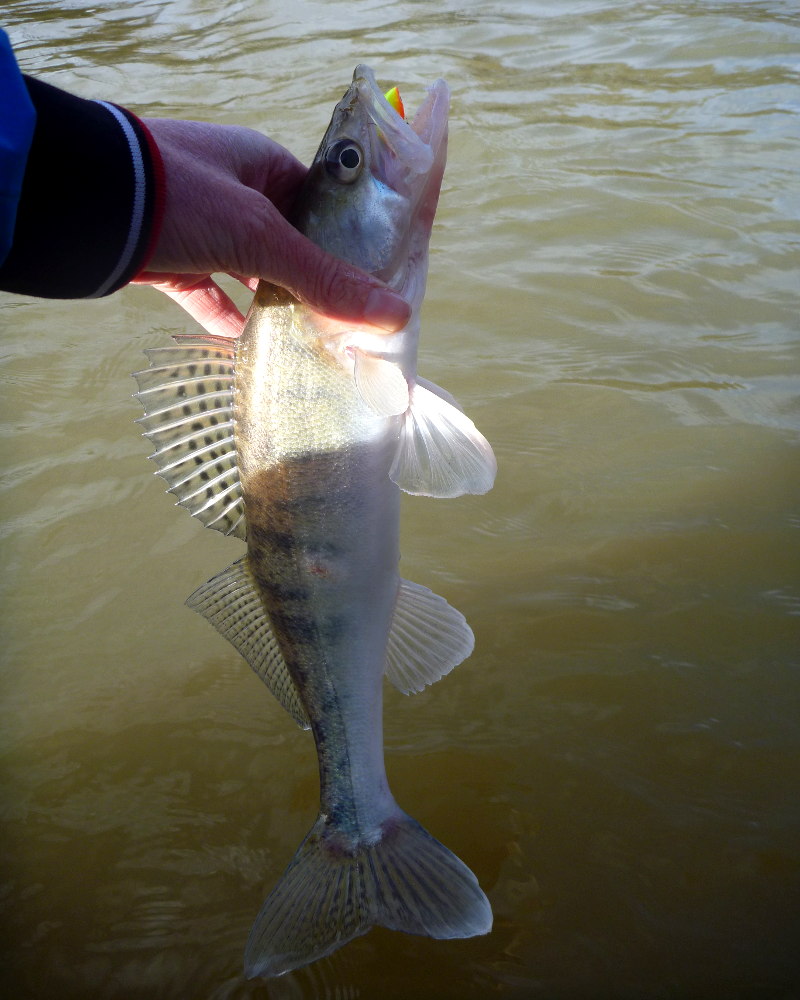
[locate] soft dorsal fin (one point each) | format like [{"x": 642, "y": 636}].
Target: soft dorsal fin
[
  {"x": 440, "y": 452},
  {"x": 427, "y": 639},
  {"x": 187, "y": 395},
  {"x": 380, "y": 383},
  {"x": 231, "y": 602}
]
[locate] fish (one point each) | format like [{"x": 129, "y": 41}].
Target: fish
[{"x": 298, "y": 438}]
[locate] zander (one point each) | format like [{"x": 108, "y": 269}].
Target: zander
[{"x": 298, "y": 438}]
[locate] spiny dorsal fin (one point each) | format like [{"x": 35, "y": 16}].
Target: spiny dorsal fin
[
  {"x": 440, "y": 452},
  {"x": 427, "y": 639},
  {"x": 187, "y": 395},
  {"x": 231, "y": 602}
]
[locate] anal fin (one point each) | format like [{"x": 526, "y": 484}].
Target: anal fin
[{"x": 427, "y": 639}]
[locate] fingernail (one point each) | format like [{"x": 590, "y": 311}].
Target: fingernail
[{"x": 386, "y": 310}]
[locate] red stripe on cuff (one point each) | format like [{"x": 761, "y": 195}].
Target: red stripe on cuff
[{"x": 159, "y": 196}]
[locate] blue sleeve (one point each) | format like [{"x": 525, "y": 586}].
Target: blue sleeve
[
  {"x": 81, "y": 190},
  {"x": 17, "y": 122}
]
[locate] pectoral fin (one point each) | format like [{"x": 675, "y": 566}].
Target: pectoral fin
[
  {"x": 427, "y": 639},
  {"x": 381, "y": 384},
  {"x": 230, "y": 601},
  {"x": 440, "y": 452}
]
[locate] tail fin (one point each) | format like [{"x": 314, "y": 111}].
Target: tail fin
[{"x": 407, "y": 881}]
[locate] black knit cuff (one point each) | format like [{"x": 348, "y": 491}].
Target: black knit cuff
[{"x": 85, "y": 217}]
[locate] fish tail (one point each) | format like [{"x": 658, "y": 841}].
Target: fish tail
[{"x": 406, "y": 881}]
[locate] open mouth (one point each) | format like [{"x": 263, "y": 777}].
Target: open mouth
[{"x": 428, "y": 125}]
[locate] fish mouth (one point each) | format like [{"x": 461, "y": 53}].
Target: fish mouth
[
  {"x": 380, "y": 218},
  {"x": 403, "y": 150}
]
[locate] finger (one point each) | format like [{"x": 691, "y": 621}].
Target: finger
[
  {"x": 326, "y": 283},
  {"x": 204, "y": 301},
  {"x": 251, "y": 283},
  {"x": 179, "y": 282}
]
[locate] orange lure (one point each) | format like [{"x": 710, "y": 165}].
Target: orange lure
[{"x": 396, "y": 101}]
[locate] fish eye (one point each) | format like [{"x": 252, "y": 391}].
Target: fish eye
[{"x": 344, "y": 160}]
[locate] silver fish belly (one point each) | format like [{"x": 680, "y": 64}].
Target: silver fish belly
[
  {"x": 323, "y": 547},
  {"x": 298, "y": 438}
]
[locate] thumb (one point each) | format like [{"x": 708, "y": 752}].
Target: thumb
[{"x": 326, "y": 283}]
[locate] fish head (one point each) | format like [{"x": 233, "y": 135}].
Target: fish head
[{"x": 371, "y": 193}]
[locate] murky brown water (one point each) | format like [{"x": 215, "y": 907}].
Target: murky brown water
[{"x": 614, "y": 299}]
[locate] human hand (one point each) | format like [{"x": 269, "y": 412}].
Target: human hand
[{"x": 228, "y": 190}]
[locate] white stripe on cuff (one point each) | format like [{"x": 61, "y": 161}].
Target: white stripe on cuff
[{"x": 137, "y": 210}]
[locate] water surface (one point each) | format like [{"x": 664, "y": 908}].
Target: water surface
[{"x": 613, "y": 297}]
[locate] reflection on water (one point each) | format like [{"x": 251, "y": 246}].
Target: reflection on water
[{"x": 613, "y": 297}]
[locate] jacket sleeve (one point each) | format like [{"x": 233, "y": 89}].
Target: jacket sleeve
[
  {"x": 91, "y": 199},
  {"x": 17, "y": 120}
]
